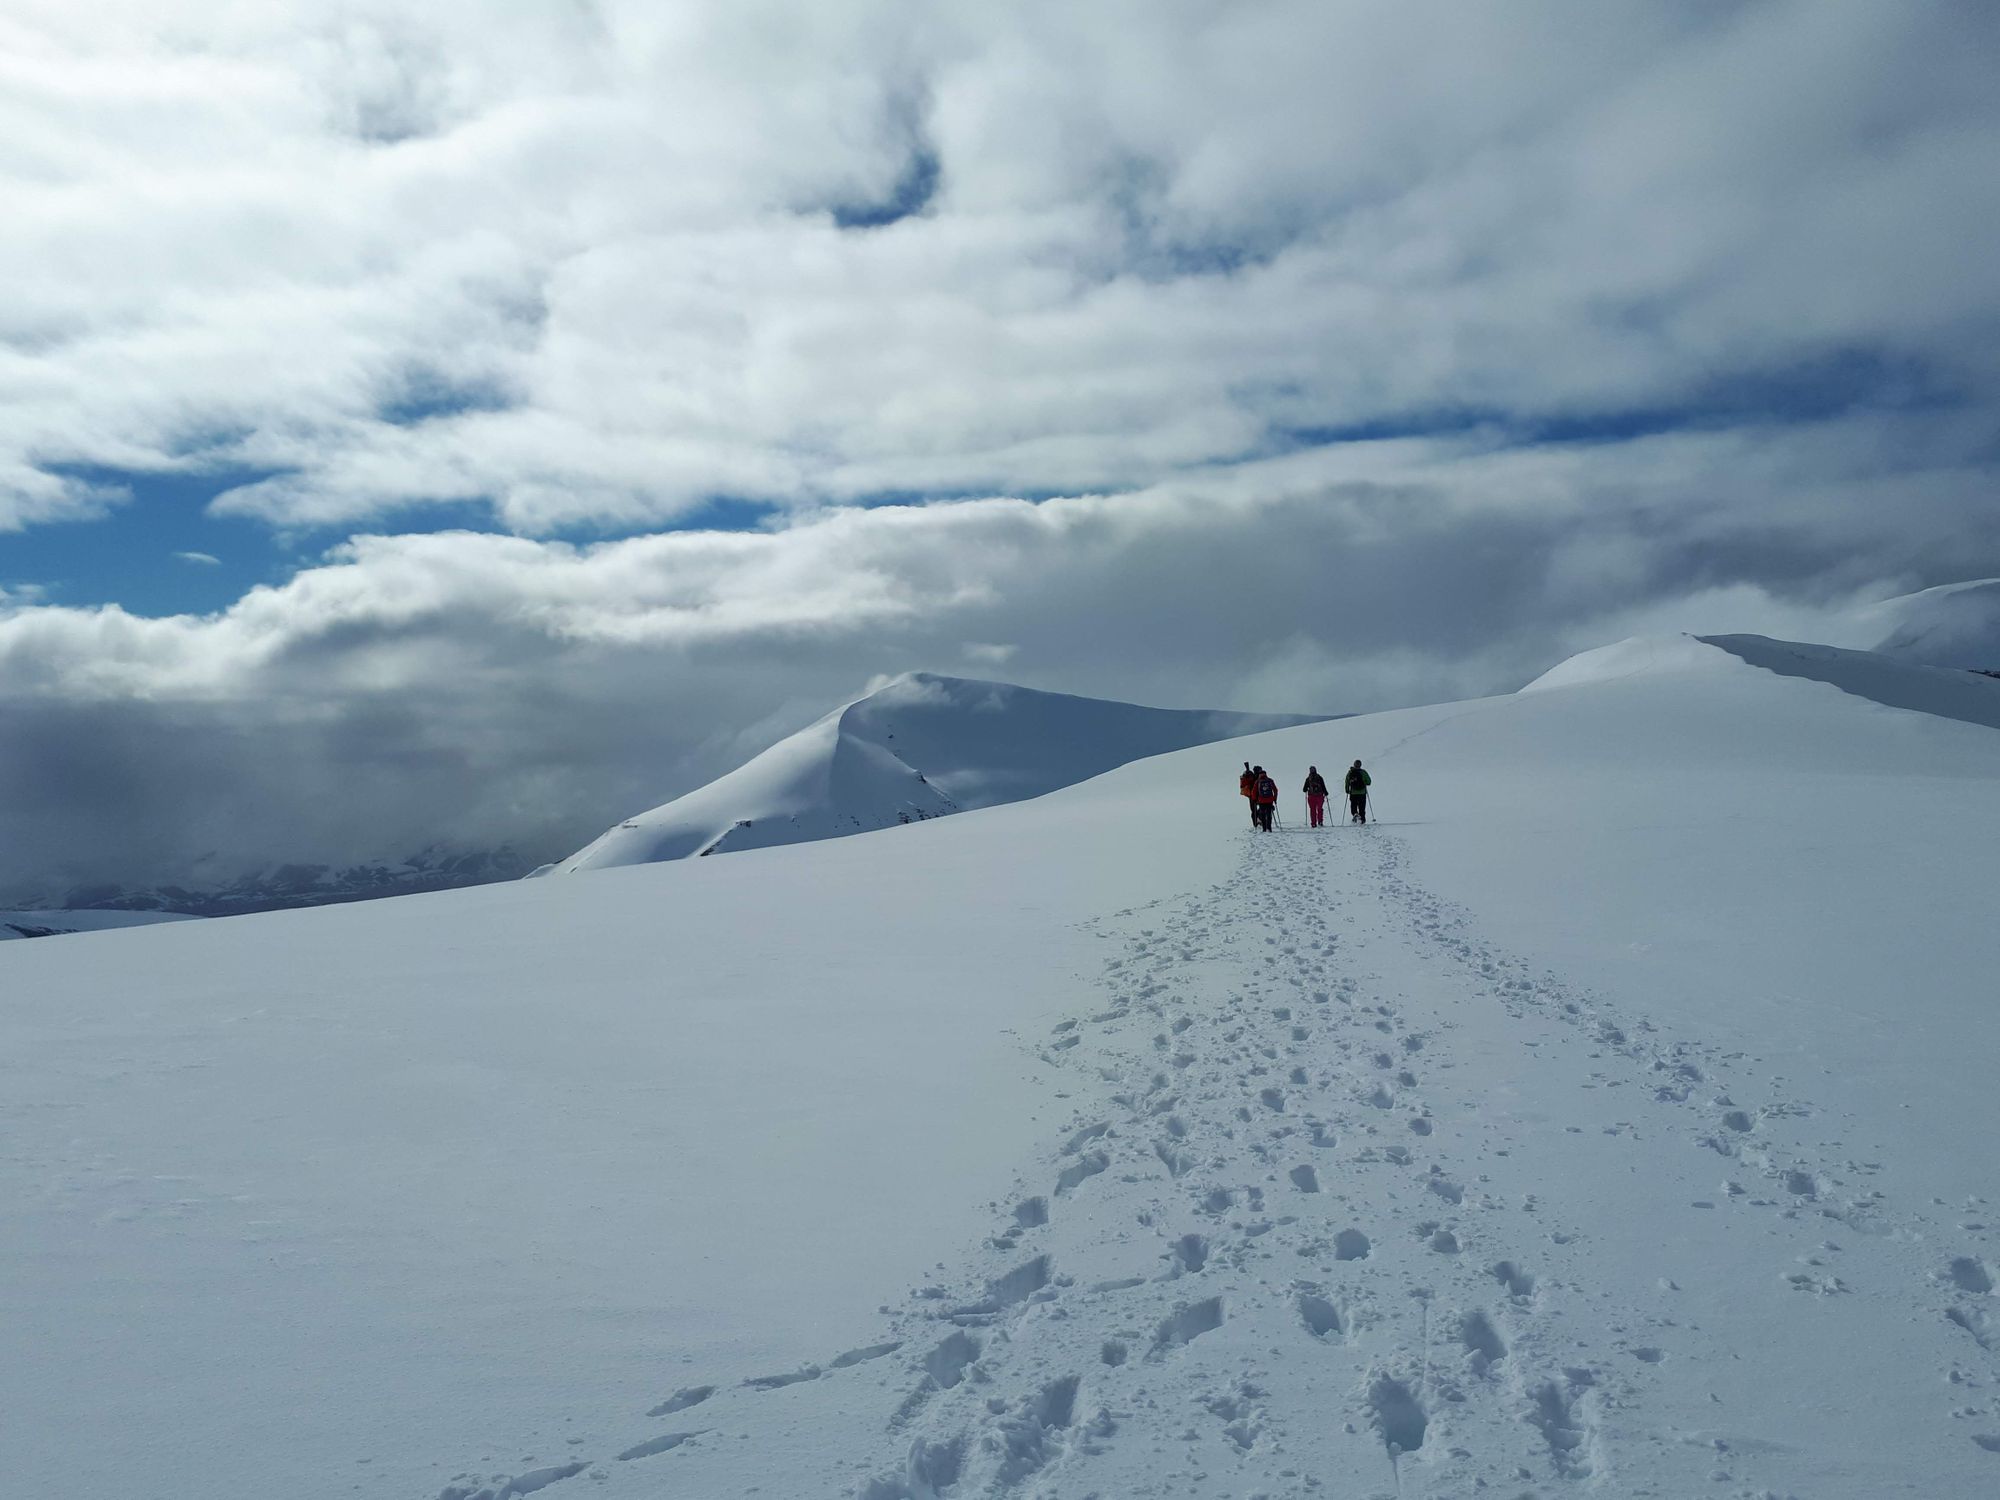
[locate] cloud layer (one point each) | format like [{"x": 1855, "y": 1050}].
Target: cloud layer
[
  {"x": 1369, "y": 353},
  {"x": 479, "y": 689},
  {"x": 589, "y": 265}
]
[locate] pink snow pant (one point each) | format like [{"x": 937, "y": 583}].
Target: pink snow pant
[{"x": 1316, "y": 806}]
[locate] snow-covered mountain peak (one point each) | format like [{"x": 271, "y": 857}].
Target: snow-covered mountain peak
[
  {"x": 1639, "y": 655},
  {"x": 919, "y": 746},
  {"x": 1953, "y": 625}
]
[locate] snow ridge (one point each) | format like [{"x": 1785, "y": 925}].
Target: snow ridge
[
  {"x": 1953, "y": 625},
  {"x": 920, "y": 747},
  {"x": 1967, "y": 695}
]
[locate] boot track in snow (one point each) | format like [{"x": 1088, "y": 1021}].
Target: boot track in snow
[{"x": 1330, "y": 1230}]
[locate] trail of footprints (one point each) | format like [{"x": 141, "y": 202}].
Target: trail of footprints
[
  {"x": 1765, "y": 1163},
  {"x": 1254, "y": 1073},
  {"x": 1251, "y": 1075}
]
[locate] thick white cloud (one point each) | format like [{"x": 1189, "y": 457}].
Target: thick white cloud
[
  {"x": 479, "y": 689},
  {"x": 604, "y": 263},
  {"x": 262, "y": 234}
]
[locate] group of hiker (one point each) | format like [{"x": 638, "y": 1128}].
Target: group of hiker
[{"x": 1262, "y": 793}]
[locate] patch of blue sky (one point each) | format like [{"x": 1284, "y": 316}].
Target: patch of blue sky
[
  {"x": 146, "y": 554},
  {"x": 164, "y": 552},
  {"x": 910, "y": 196},
  {"x": 1820, "y": 389},
  {"x": 884, "y": 499},
  {"x": 426, "y": 397},
  {"x": 717, "y": 513}
]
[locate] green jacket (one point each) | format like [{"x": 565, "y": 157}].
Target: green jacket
[{"x": 1358, "y": 781}]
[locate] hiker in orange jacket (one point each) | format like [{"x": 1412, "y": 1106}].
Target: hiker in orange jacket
[{"x": 1246, "y": 784}]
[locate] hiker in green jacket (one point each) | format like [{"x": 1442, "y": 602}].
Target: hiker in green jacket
[{"x": 1358, "y": 782}]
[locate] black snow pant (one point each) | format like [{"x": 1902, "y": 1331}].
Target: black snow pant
[
  {"x": 1262, "y": 813},
  {"x": 1357, "y": 806}
]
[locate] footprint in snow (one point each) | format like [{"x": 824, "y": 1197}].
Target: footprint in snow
[
  {"x": 658, "y": 1445},
  {"x": 511, "y": 1489},
  {"x": 780, "y": 1381},
  {"x": 862, "y": 1356},
  {"x": 682, "y": 1399},
  {"x": 1397, "y": 1415},
  {"x": 1188, "y": 1324},
  {"x": 1482, "y": 1343},
  {"x": 1321, "y": 1317},
  {"x": 1970, "y": 1274}
]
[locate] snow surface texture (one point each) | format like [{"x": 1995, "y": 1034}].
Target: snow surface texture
[
  {"x": 26, "y": 924},
  {"x": 1614, "y": 1117},
  {"x": 918, "y": 748}
]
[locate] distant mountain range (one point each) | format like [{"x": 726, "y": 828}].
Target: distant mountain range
[
  {"x": 32, "y": 924},
  {"x": 275, "y": 887},
  {"x": 923, "y": 746}
]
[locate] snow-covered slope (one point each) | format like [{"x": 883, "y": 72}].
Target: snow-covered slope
[
  {"x": 920, "y": 747},
  {"x": 1612, "y": 1118},
  {"x": 1953, "y": 625},
  {"x": 25, "y": 924}
]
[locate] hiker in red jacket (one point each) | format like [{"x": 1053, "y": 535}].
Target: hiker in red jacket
[{"x": 1263, "y": 799}]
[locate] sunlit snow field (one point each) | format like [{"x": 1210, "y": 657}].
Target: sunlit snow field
[{"x": 1614, "y": 1113}]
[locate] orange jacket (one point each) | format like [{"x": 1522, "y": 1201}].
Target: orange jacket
[{"x": 1246, "y": 784}]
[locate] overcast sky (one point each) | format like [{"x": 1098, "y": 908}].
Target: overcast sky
[{"x": 475, "y": 423}]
